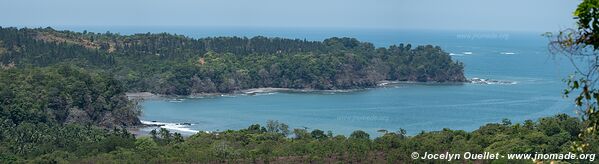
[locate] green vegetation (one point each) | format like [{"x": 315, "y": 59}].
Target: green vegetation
[
  {"x": 62, "y": 95},
  {"x": 58, "y": 110},
  {"x": 177, "y": 65},
  {"x": 67, "y": 114},
  {"x": 259, "y": 144},
  {"x": 62, "y": 98},
  {"x": 582, "y": 44},
  {"x": 262, "y": 144}
]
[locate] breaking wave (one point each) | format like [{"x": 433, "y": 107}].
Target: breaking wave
[{"x": 179, "y": 127}]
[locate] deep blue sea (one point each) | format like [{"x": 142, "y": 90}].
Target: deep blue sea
[{"x": 522, "y": 59}]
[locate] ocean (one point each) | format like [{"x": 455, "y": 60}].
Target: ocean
[{"x": 520, "y": 80}]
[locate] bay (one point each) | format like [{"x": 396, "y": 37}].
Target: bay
[{"x": 530, "y": 86}]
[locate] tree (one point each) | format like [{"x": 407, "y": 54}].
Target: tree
[
  {"x": 359, "y": 134},
  {"x": 273, "y": 126},
  {"x": 165, "y": 136},
  {"x": 583, "y": 42},
  {"x": 318, "y": 134},
  {"x": 506, "y": 122},
  {"x": 147, "y": 147},
  {"x": 402, "y": 133},
  {"x": 301, "y": 134},
  {"x": 178, "y": 138}
]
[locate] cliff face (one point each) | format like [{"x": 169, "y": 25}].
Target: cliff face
[
  {"x": 107, "y": 119},
  {"x": 178, "y": 65},
  {"x": 64, "y": 95},
  {"x": 456, "y": 75}
]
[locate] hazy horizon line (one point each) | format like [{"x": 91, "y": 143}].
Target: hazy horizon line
[{"x": 278, "y": 27}]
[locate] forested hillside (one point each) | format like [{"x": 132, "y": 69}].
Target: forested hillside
[
  {"x": 178, "y": 65},
  {"x": 62, "y": 99},
  {"x": 61, "y": 108},
  {"x": 63, "y": 95},
  {"x": 275, "y": 143}
]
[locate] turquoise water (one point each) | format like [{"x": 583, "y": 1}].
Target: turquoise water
[{"x": 522, "y": 59}]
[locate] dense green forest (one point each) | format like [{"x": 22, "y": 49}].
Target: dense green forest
[
  {"x": 62, "y": 100},
  {"x": 178, "y": 65},
  {"x": 64, "y": 113},
  {"x": 61, "y": 108},
  {"x": 275, "y": 143},
  {"x": 64, "y": 94}
]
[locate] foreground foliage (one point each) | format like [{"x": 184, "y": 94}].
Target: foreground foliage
[
  {"x": 262, "y": 144},
  {"x": 582, "y": 44}
]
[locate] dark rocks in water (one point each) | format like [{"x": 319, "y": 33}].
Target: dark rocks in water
[
  {"x": 155, "y": 124},
  {"x": 185, "y": 123}
]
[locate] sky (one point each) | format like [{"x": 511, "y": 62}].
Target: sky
[{"x": 488, "y": 15}]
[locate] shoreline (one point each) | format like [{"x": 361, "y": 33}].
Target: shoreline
[
  {"x": 183, "y": 127},
  {"x": 146, "y": 126},
  {"x": 253, "y": 91},
  {"x": 143, "y": 129}
]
